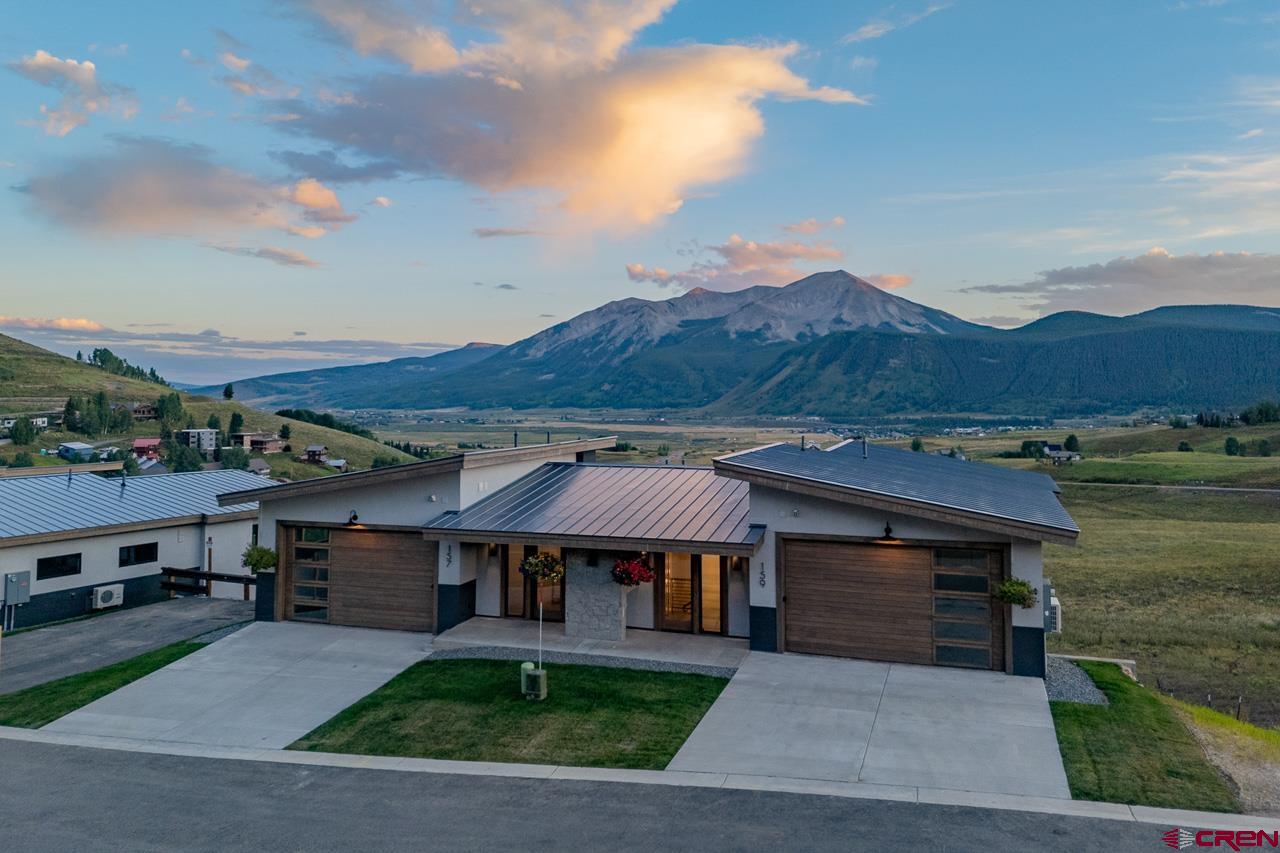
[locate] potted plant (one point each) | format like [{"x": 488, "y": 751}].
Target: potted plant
[
  {"x": 258, "y": 558},
  {"x": 1016, "y": 591},
  {"x": 542, "y": 566},
  {"x": 631, "y": 571}
]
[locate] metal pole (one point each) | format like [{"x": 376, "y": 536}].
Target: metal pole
[{"x": 539, "y": 635}]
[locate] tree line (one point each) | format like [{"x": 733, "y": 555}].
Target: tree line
[
  {"x": 105, "y": 359},
  {"x": 325, "y": 420}
]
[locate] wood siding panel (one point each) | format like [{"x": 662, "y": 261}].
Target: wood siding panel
[{"x": 380, "y": 579}]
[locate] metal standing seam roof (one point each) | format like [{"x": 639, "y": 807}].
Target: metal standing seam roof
[
  {"x": 54, "y": 503},
  {"x": 975, "y": 488},
  {"x": 629, "y": 502}
]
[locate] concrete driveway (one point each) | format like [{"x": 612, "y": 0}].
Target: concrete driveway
[
  {"x": 56, "y": 651},
  {"x": 264, "y": 686},
  {"x": 858, "y": 721}
]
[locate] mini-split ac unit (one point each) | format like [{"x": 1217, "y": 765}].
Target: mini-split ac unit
[
  {"x": 1055, "y": 615},
  {"x": 111, "y": 595}
]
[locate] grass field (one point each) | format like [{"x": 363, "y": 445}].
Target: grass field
[
  {"x": 1135, "y": 750},
  {"x": 472, "y": 710},
  {"x": 44, "y": 703},
  {"x": 1186, "y": 583}
]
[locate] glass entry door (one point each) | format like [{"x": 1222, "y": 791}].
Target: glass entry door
[
  {"x": 521, "y": 595},
  {"x": 677, "y": 593}
]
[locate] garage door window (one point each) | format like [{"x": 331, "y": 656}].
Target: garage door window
[
  {"x": 962, "y": 615},
  {"x": 311, "y": 574}
]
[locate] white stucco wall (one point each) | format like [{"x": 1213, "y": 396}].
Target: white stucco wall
[
  {"x": 181, "y": 547},
  {"x": 787, "y": 512}
]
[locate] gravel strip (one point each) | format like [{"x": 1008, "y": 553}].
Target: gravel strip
[
  {"x": 1064, "y": 681},
  {"x": 509, "y": 653},
  {"x": 214, "y": 636}
]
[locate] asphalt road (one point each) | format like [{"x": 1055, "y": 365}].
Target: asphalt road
[{"x": 59, "y": 798}]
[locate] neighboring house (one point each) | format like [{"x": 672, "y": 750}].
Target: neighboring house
[
  {"x": 261, "y": 467},
  {"x": 1056, "y": 454},
  {"x": 152, "y": 466},
  {"x": 40, "y": 422},
  {"x": 144, "y": 412},
  {"x": 203, "y": 440},
  {"x": 337, "y": 464},
  {"x": 146, "y": 448},
  {"x": 316, "y": 454},
  {"x": 856, "y": 551},
  {"x": 248, "y": 440},
  {"x": 77, "y": 532},
  {"x": 77, "y": 451},
  {"x": 267, "y": 443}
]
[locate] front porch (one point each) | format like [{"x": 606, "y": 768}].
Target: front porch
[{"x": 678, "y": 650}]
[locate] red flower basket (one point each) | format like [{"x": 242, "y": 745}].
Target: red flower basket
[{"x": 632, "y": 572}]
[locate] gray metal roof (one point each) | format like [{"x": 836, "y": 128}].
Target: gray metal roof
[
  {"x": 636, "y": 503},
  {"x": 973, "y": 488},
  {"x": 59, "y": 503}
]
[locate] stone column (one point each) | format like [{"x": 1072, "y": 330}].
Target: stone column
[{"x": 595, "y": 608}]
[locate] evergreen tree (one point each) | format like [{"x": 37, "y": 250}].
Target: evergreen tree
[
  {"x": 237, "y": 423},
  {"x": 917, "y": 444},
  {"x": 22, "y": 431},
  {"x": 1231, "y": 446},
  {"x": 214, "y": 422},
  {"x": 1071, "y": 444},
  {"x": 228, "y": 391},
  {"x": 285, "y": 431}
]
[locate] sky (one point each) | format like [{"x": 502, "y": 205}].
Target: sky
[{"x": 228, "y": 189}]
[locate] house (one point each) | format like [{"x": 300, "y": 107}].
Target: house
[
  {"x": 267, "y": 443},
  {"x": 315, "y": 454},
  {"x": 253, "y": 440},
  {"x": 260, "y": 467},
  {"x": 39, "y": 422},
  {"x": 1058, "y": 455},
  {"x": 203, "y": 440},
  {"x": 146, "y": 448},
  {"x": 337, "y": 464},
  {"x": 144, "y": 412},
  {"x": 77, "y": 451},
  {"x": 856, "y": 551},
  {"x": 152, "y": 466},
  {"x": 75, "y": 533}
]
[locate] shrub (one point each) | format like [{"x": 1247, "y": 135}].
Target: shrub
[
  {"x": 1185, "y": 446},
  {"x": 259, "y": 558},
  {"x": 1231, "y": 446},
  {"x": 22, "y": 460}
]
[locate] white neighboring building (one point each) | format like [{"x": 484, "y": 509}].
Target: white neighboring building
[
  {"x": 77, "y": 532},
  {"x": 203, "y": 440}
]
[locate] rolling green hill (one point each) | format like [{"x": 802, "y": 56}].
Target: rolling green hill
[{"x": 33, "y": 379}]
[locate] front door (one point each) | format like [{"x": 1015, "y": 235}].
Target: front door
[
  {"x": 522, "y": 595},
  {"x": 691, "y": 597}
]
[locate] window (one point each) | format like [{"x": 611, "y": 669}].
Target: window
[
  {"x": 311, "y": 555},
  {"x": 61, "y": 566},
  {"x": 969, "y": 632},
  {"x": 962, "y": 608},
  {"x": 964, "y": 656},
  {"x": 960, "y": 583},
  {"x": 960, "y": 558},
  {"x": 135, "y": 555},
  {"x": 313, "y": 534}
]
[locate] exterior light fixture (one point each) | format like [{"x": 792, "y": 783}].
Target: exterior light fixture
[
  {"x": 353, "y": 518},
  {"x": 887, "y": 536}
]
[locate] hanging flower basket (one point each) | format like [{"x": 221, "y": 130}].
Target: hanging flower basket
[
  {"x": 542, "y": 566},
  {"x": 632, "y": 572}
]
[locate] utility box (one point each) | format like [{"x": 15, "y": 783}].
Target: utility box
[
  {"x": 533, "y": 682},
  {"x": 17, "y": 588}
]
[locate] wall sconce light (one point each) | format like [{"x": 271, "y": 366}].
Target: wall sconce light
[
  {"x": 353, "y": 518},
  {"x": 888, "y": 534}
]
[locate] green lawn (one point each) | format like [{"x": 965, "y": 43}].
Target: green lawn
[
  {"x": 44, "y": 703},
  {"x": 1179, "y": 469},
  {"x": 1135, "y": 750},
  {"x": 472, "y": 710}
]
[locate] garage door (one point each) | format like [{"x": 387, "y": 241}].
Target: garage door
[
  {"x": 893, "y": 603},
  {"x": 364, "y": 578}
]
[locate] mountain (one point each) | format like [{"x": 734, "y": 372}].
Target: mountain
[
  {"x": 834, "y": 345},
  {"x": 322, "y": 387}
]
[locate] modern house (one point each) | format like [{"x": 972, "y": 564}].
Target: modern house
[
  {"x": 267, "y": 443},
  {"x": 77, "y": 451},
  {"x": 1058, "y": 455},
  {"x": 203, "y": 440},
  {"x": 316, "y": 454},
  {"x": 39, "y": 422},
  {"x": 855, "y": 551},
  {"x": 76, "y": 533},
  {"x": 144, "y": 412}
]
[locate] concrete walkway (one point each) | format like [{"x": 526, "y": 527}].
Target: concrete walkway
[
  {"x": 45, "y": 654},
  {"x": 263, "y": 687},
  {"x": 835, "y": 720},
  {"x": 702, "y": 649}
]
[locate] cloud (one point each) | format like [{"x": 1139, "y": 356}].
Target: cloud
[
  {"x": 485, "y": 233},
  {"x": 890, "y": 280},
  {"x": 326, "y": 166},
  {"x": 83, "y": 94},
  {"x": 381, "y": 201},
  {"x": 1002, "y": 320},
  {"x": 283, "y": 257},
  {"x": 299, "y": 334},
  {"x": 233, "y": 62},
  {"x": 636, "y": 129},
  {"x": 181, "y": 109},
  {"x": 65, "y": 324},
  {"x": 863, "y": 63},
  {"x": 505, "y": 286},
  {"x": 812, "y": 226},
  {"x": 155, "y": 186},
  {"x": 742, "y": 263},
  {"x": 1251, "y": 134},
  {"x": 247, "y": 77},
  {"x": 882, "y": 26},
  {"x": 1131, "y": 284}
]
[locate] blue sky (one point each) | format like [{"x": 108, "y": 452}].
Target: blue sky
[{"x": 239, "y": 188}]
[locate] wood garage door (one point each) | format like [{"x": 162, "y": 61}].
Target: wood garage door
[
  {"x": 893, "y": 603},
  {"x": 363, "y": 578}
]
